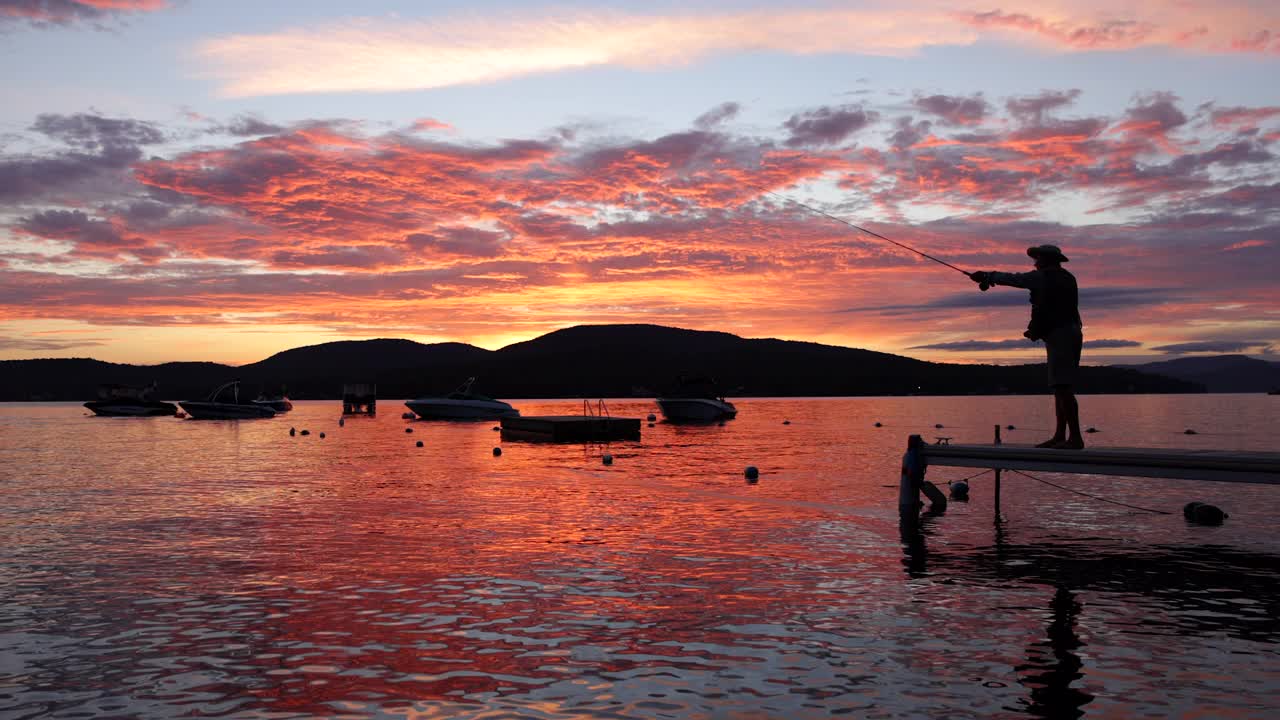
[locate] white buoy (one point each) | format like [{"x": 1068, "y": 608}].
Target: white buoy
[
  {"x": 752, "y": 473},
  {"x": 497, "y": 451},
  {"x": 607, "y": 459}
]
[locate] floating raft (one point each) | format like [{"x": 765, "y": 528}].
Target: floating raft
[
  {"x": 1218, "y": 465},
  {"x": 570, "y": 428}
]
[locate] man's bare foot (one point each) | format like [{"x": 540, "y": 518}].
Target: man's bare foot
[{"x": 1052, "y": 442}]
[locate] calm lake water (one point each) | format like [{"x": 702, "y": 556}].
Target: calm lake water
[{"x": 178, "y": 568}]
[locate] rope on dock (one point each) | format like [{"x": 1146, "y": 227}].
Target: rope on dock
[{"x": 1095, "y": 497}]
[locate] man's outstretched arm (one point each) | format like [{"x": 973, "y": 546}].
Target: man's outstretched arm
[{"x": 1029, "y": 280}]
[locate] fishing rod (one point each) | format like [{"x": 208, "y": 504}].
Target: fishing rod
[{"x": 983, "y": 286}]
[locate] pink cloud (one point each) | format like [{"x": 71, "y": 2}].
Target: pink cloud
[
  {"x": 429, "y": 124},
  {"x": 62, "y": 12}
]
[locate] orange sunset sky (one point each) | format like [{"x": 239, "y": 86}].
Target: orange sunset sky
[{"x": 222, "y": 181}]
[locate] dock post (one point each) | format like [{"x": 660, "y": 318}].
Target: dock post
[
  {"x": 997, "y": 486},
  {"x": 913, "y": 467}
]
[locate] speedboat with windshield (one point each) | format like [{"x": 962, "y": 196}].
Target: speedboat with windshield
[
  {"x": 224, "y": 404},
  {"x": 129, "y": 401},
  {"x": 696, "y": 399},
  {"x": 461, "y": 404}
]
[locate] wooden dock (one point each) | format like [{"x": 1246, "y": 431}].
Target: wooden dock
[
  {"x": 1215, "y": 465},
  {"x": 570, "y": 428},
  {"x": 1212, "y": 465}
]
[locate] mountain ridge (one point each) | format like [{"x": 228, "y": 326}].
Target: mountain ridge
[{"x": 581, "y": 361}]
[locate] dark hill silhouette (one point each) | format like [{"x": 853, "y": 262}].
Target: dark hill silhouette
[
  {"x": 1219, "y": 373},
  {"x": 589, "y": 360}
]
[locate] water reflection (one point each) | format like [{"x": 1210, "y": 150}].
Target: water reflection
[
  {"x": 1053, "y": 665},
  {"x": 156, "y": 569}
]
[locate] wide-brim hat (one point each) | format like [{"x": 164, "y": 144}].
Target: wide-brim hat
[{"x": 1048, "y": 252}]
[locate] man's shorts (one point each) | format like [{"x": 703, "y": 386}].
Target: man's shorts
[{"x": 1063, "y": 346}]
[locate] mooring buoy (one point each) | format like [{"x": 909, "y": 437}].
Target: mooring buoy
[
  {"x": 293, "y": 431},
  {"x": 607, "y": 459},
  {"x": 879, "y": 424},
  {"x": 321, "y": 436},
  {"x": 305, "y": 432},
  {"x": 752, "y": 473},
  {"x": 960, "y": 490},
  {"x": 497, "y": 451},
  {"x": 1092, "y": 430},
  {"x": 1189, "y": 431},
  {"x": 1010, "y": 427},
  {"x": 342, "y": 422},
  {"x": 786, "y": 422},
  {"x": 1203, "y": 513},
  {"x": 651, "y": 417},
  {"x": 419, "y": 443},
  {"x": 497, "y": 428},
  {"x": 408, "y": 430},
  {"x": 938, "y": 425}
]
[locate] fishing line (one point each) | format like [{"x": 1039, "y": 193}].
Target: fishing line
[
  {"x": 1095, "y": 497},
  {"x": 856, "y": 227}
]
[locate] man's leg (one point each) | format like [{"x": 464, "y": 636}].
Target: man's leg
[
  {"x": 1071, "y": 411},
  {"x": 1060, "y": 421}
]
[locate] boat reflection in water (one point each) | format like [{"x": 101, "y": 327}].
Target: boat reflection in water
[{"x": 212, "y": 408}]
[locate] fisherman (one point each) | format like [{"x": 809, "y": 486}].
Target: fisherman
[{"x": 1055, "y": 319}]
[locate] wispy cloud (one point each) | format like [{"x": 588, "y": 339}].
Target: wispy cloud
[
  {"x": 379, "y": 54},
  {"x": 1214, "y": 346}
]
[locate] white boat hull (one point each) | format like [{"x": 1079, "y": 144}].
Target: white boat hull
[
  {"x": 203, "y": 410},
  {"x": 448, "y": 409},
  {"x": 696, "y": 409}
]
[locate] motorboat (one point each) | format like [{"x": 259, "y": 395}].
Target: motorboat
[
  {"x": 229, "y": 408},
  {"x": 696, "y": 399},
  {"x": 129, "y": 401},
  {"x": 461, "y": 404},
  {"x": 279, "y": 402}
]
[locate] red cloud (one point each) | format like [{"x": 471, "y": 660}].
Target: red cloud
[{"x": 414, "y": 231}]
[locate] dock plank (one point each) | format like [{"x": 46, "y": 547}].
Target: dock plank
[{"x": 1214, "y": 465}]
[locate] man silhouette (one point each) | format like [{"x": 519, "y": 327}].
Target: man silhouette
[{"x": 1055, "y": 319}]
